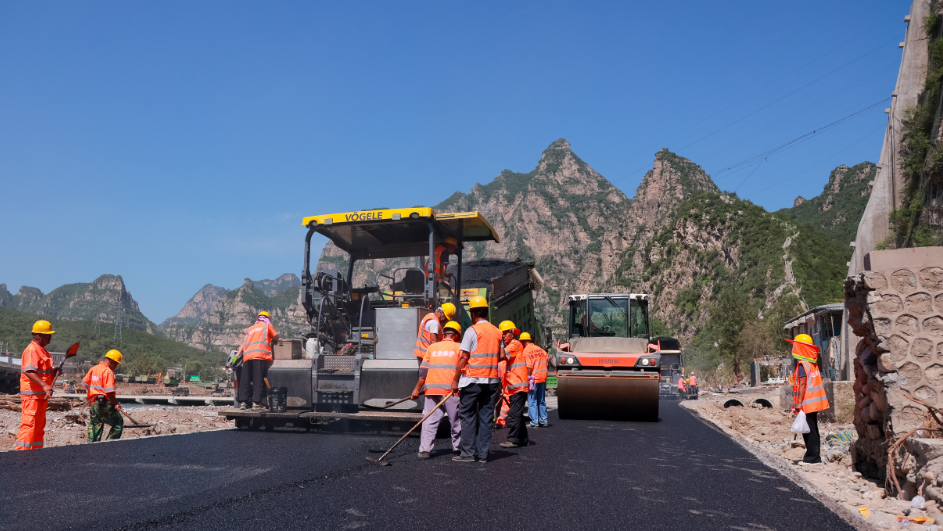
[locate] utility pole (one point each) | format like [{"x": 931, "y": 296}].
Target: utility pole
[{"x": 118, "y": 319}]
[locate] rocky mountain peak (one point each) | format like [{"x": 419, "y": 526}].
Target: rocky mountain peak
[
  {"x": 198, "y": 308},
  {"x": 799, "y": 200},
  {"x": 93, "y": 301},
  {"x": 671, "y": 179}
]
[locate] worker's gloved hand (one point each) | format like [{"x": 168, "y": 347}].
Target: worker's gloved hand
[{"x": 530, "y": 380}]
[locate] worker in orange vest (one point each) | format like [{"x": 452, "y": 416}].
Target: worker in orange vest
[
  {"x": 517, "y": 380},
  {"x": 441, "y": 257},
  {"x": 256, "y": 351},
  {"x": 435, "y": 381},
  {"x": 693, "y": 380},
  {"x": 101, "y": 395},
  {"x": 682, "y": 390},
  {"x": 477, "y": 381},
  {"x": 537, "y": 359},
  {"x": 36, "y": 378},
  {"x": 808, "y": 393},
  {"x": 430, "y": 328}
]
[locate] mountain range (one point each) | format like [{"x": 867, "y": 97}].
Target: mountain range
[{"x": 680, "y": 238}]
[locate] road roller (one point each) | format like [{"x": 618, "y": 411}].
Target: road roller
[{"x": 609, "y": 369}]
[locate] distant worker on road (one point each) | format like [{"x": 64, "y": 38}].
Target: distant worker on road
[
  {"x": 256, "y": 351},
  {"x": 682, "y": 390},
  {"x": 430, "y": 328},
  {"x": 477, "y": 382},
  {"x": 808, "y": 393},
  {"x": 436, "y": 373},
  {"x": 101, "y": 395},
  {"x": 693, "y": 381},
  {"x": 537, "y": 359},
  {"x": 36, "y": 378},
  {"x": 517, "y": 380}
]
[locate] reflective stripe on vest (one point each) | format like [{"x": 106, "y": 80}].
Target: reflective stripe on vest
[
  {"x": 258, "y": 342},
  {"x": 815, "y": 398},
  {"x": 36, "y": 360},
  {"x": 483, "y": 362},
  {"x": 29, "y": 445},
  {"x": 441, "y": 362},
  {"x": 516, "y": 377},
  {"x": 99, "y": 381},
  {"x": 537, "y": 357},
  {"x": 423, "y": 338}
]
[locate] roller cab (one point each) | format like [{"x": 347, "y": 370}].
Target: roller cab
[{"x": 608, "y": 369}]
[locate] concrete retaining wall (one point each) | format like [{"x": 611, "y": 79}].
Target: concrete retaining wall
[{"x": 897, "y": 313}]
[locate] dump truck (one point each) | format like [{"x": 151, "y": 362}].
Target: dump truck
[
  {"x": 358, "y": 355},
  {"x": 608, "y": 369}
]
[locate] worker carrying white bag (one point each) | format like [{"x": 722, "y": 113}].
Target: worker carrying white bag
[{"x": 800, "y": 425}]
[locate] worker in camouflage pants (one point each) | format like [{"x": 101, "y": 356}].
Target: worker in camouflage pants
[
  {"x": 103, "y": 412},
  {"x": 104, "y": 407}
]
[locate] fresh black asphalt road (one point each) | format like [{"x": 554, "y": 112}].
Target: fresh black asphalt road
[{"x": 678, "y": 473}]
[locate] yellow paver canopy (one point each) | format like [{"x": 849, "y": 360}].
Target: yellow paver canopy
[{"x": 399, "y": 232}]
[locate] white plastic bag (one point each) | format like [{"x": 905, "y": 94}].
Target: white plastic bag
[{"x": 800, "y": 425}]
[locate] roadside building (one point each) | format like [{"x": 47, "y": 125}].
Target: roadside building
[{"x": 824, "y": 324}]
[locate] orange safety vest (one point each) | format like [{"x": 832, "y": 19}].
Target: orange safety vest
[
  {"x": 35, "y": 358},
  {"x": 814, "y": 399},
  {"x": 693, "y": 381},
  {"x": 681, "y": 384},
  {"x": 483, "y": 362},
  {"x": 258, "y": 342},
  {"x": 424, "y": 338},
  {"x": 537, "y": 362},
  {"x": 440, "y": 362},
  {"x": 100, "y": 380},
  {"x": 516, "y": 377}
]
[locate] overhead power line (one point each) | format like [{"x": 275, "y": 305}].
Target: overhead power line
[{"x": 765, "y": 154}]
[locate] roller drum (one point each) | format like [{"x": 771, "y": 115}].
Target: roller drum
[{"x": 607, "y": 398}]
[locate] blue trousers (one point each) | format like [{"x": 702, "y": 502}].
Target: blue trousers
[
  {"x": 537, "y": 404},
  {"x": 476, "y": 409}
]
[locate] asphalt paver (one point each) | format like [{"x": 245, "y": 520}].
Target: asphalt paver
[{"x": 678, "y": 473}]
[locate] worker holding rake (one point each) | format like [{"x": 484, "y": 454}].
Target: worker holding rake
[{"x": 435, "y": 381}]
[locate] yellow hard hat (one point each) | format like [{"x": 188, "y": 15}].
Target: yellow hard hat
[
  {"x": 525, "y": 336},
  {"x": 42, "y": 327},
  {"x": 265, "y": 314},
  {"x": 451, "y": 241},
  {"x": 477, "y": 302},
  {"x": 452, "y": 325},
  {"x": 448, "y": 309},
  {"x": 803, "y": 338},
  {"x": 692, "y": 373},
  {"x": 508, "y": 326},
  {"x": 114, "y": 355}
]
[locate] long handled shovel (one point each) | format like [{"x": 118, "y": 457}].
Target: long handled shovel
[
  {"x": 136, "y": 423},
  {"x": 380, "y": 461}
]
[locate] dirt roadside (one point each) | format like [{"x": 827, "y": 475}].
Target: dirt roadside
[
  {"x": 67, "y": 427},
  {"x": 765, "y": 431}
]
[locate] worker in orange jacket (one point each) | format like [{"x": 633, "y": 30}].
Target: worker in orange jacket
[
  {"x": 36, "y": 378},
  {"x": 808, "y": 393},
  {"x": 693, "y": 381},
  {"x": 256, "y": 351},
  {"x": 430, "y": 328},
  {"x": 682, "y": 390},
  {"x": 537, "y": 359},
  {"x": 435, "y": 381},
  {"x": 516, "y": 384},
  {"x": 101, "y": 395},
  {"x": 441, "y": 257},
  {"x": 477, "y": 381}
]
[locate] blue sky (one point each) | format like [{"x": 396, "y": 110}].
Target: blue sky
[{"x": 180, "y": 143}]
